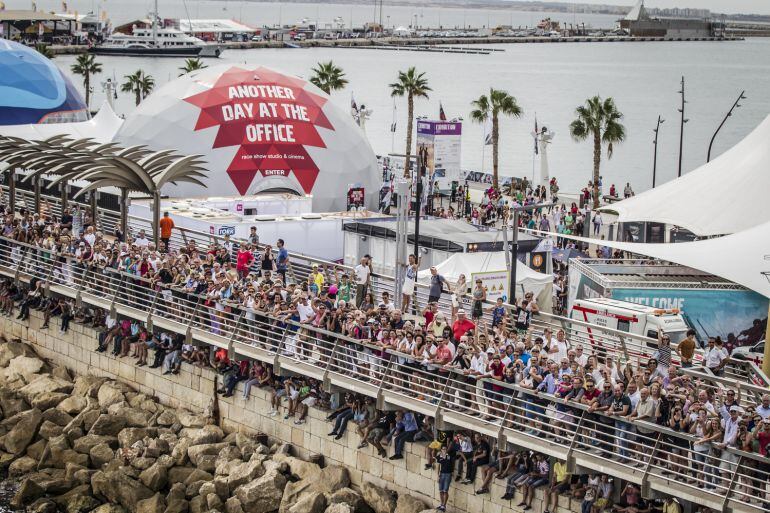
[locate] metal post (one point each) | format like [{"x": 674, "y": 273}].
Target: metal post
[
  {"x": 422, "y": 159},
  {"x": 766, "y": 361},
  {"x": 514, "y": 259},
  {"x": 12, "y": 188},
  {"x": 124, "y": 204},
  {"x": 731, "y": 486},
  {"x": 681, "y": 129},
  {"x": 36, "y": 185},
  {"x": 64, "y": 188},
  {"x": 156, "y": 217},
  {"x": 655, "y": 157},
  {"x": 729, "y": 113},
  {"x": 645, "y": 485},
  {"x": 94, "y": 197}
]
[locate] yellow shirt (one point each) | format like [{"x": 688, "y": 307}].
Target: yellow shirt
[
  {"x": 560, "y": 471},
  {"x": 672, "y": 507},
  {"x": 319, "y": 280}
]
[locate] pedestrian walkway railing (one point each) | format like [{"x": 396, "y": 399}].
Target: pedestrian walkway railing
[{"x": 656, "y": 457}]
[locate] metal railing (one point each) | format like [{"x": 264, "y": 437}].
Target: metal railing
[{"x": 655, "y": 457}]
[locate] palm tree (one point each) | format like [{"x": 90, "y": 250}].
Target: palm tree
[
  {"x": 410, "y": 84},
  {"x": 328, "y": 77},
  {"x": 139, "y": 84},
  {"x": 192, "y": 65},
  {"x": 86, "y": 65},
  {"x": 600, "y": 119},
  {"x": 44, "y": 50},
  {"x": 498, "y": 103}
]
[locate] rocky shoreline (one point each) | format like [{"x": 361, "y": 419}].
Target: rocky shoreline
[{"x": 91, "y": 444}]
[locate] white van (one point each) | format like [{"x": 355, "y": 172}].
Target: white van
[{"x": 632, "y": 318}]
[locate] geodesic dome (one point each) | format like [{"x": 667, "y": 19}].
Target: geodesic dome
[
  {"x": 34, "y": 90},
  {"x": 259, "y": 130}
]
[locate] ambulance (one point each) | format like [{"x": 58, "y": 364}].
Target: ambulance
[{"x": 633, "y": 318}]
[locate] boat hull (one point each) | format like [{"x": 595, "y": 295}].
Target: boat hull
[{"x": 200, "y": 51}]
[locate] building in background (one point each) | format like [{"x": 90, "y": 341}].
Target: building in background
[{"x": 638, "y": 23}]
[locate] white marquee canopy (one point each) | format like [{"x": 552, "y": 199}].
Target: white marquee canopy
[
  {"x": 727, "y": 195},
  {"x": 101, "y": 128}
]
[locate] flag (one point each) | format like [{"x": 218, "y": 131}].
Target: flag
[
  {"x": 488, "y": 132},
  {"x": 393, "y": 124},
  {"x": 441, "y": 115},
  {"x": 535, "y": 135}
]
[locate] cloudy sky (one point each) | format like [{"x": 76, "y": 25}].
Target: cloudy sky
[{"x": 728, "y": 6}]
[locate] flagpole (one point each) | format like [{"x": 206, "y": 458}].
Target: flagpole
[
  {"x": 393, "y": 129},
  {"x": 534, "y": 154}
]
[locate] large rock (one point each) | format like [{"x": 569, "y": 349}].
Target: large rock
[
  {"x": 179, "y": 474},
  {"x": 87, "y": 386},
  {"x": 12, "y": 349},
  {"x": 109, "y": 394},
  {"x": 198, "y": 475},
  {"x": 310, "y": 503},
  {"x": 177, "y": 506},
  {"x": 262, "y": 495},
  {"x": 166, "y": 418},
  {"x": 109, "y": 508},
  {"x": 233, "y": 505},
  {"x": 207, "y": 435},
  {"x": 109, "y": 425},
  {"x": 135, "y": 417},
  {"x": 42, "y": 385},
  {"x": 23, "y": 367},
  {"x": 179, "y": 452},
  {"x": 155, "y": 504},
  {"x": 100, "y": 454},
  {"x": 84, "y": 444},
  {"x": 196, "y": 451},
  {"x": 48, "y": 400},
  {"x": 191, "y": 420},
  {"x": 408, "y": 504},
  {"x": 349, "y": 498},
  {"x": 72, "y": 405},
  {"x": 155, "y": 478},
  {"x": 117, "y": 487},
  {"x": 339, "y": 507},
  {"x": 128, "y": 436},
  {"x": 27, "y": 492},
  {"x": 58, "y": 417},
  {"x": 11, "y": 404},
  {"x": 301, "y": 469},
  {"x": 25, "y": 430},
  {"x": 241, "y": 474},
  {"x": 49, "y": 430},
  {"x": 22, "y": 467},
  {"x": 379, "y": 499},
  {"x": 77, "y": 500}
]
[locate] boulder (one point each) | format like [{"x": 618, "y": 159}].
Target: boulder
[
  {"x": 42, "y": 385},
  {"x": 349, "y": 498},
  {"x": 197, "y": 504},
  {"x": 333, "y": 478},
  {"x": 49, "y": 430},
  {"x": 27, "y": 492},
  {"x": 101, "y": 454},
  {"x": 58, "y": 417},
  {"x": 83, "y": 476},
  {"x": 87, "y": 386},
  {"x": 48, "y": 400},
  {"x": 109, "y": 425},
  {"x": 207, "y": 435},
  {"x": 339, "y": 507},
  {"x": 23, "y": 366},
  {"x": 11, "y": 403},
  {"x": 207, "y": 488},
  {"x": 6, "y": 459},
  {"x": 77, "y": 500},
  {"x": 213, "y": 502},
  {"x": 191, "y": 420},
  {"x": 264, "y": 494},
  {"x": 241, "y": 474},
  {"x": 70, "y": 469},
  {"x": 179, "y": 452},
  {"x": 109, "y": 394},
  {"x": 301, "y": 469},
  {"x": 198, "y": 475},
  {"x": 72, "y": 405},
  {"x": 233, "y": 505},
  {"x": 22, "y": 467},
  {"x": 12, "y": 349},
  {"x": 154, "y": 504},
  {"x": 135, "y": 417},
  {"x": 142, "y": 463},
  {"x": 207, "y": 463},
  {"x": 42, "y": 506},
  {"x": 179, "y": 474},
  {"x": 166, "y": 418},
  {"x": 84, "y": 444},
  {"x": 128, "y": 436},
  {"x": 109, "y": 508},
  {"x": 177, "y": 506},
  {"x": 117, "y": 487},
  {"x": 155, "y": 477},
  {"x": 61, "y": 372},
  {"x": 379, "y": 499},
  {"x": 25, "y": 430},
  {"x": 408, "y": 504},
  {"x": 196, "y": 451},
  {"x": 35, "y": 451},
  {"x": 314, "y": 502}
]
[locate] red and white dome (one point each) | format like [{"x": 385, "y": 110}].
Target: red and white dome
[{"x": 259, "y": 130}]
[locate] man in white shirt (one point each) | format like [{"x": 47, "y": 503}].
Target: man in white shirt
[
  {"x": 558, "y": 348},
  {"x": 304, "y": 310},
  {"x": 141, "y": 240},
  {"x": 580, "y": 357},
  {"x": 730, "y": 428},
  {"x": 763, "y": 410},
  {"x": 716, "y": 356},
  {"x": 90, "y": 236},
  {"x": 389, "y": 306},
  {"x": 362, "y": 272}
]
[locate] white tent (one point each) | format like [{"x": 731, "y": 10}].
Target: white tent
[
  {"x": 727, "y": 195},
  {"x": 527, "y": 279},
  {"x": 101, "y": 128}
]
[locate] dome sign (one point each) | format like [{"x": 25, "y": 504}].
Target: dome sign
[{"x": 270, "y": 119}]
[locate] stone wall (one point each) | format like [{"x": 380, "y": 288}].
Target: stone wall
[{"x": 193, "y": 388}]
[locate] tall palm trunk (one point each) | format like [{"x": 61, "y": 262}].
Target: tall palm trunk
[
  {"x": 597, "y": 163},
  {"x": 87, "y": 86},
  {"x": 138, "y": 96},
  {"x": 409, "y": 124},
  {"x": 495, "y": 136}
]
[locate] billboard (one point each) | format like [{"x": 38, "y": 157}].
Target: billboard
[
  {"x": 730, "y": 314},
  {"x": 443, "y": 140},
  {"x": 496, "y": 283}
]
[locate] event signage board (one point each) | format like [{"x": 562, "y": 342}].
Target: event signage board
[
  {"x": 496, "y": 283},
  {"x": 443, "y": 140}
]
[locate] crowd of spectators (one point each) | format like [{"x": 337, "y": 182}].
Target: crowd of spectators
[{"x": 495, "y": 354}]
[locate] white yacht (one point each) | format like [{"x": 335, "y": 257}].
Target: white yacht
[{"x": 158, "y": 42}]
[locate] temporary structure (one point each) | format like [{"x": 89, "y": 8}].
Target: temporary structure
[
  {"x": 101, "y": 128},
  {"x": 738, "y": 180},
  {"x": 527, "y": 279}
]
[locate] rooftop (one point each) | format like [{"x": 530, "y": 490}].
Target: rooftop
[{"x": 20, "y": 15}]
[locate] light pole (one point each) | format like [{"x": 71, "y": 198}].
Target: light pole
[
  {"x": 681, "y": 130},
  {"x": 730, "y": 113},
  {"x": 655, "y": 157},
  {"x": 515, "y": 247},
  {"x": 422, "y": 160}
]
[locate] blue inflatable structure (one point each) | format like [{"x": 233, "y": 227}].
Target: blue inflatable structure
[{"x": 34, "y": 90}]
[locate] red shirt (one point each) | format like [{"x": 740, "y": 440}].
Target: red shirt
[
  {"x": 460, "y": 328},
  {"x": 244, "y": 260},
  {"x": 764, "y": 439}
]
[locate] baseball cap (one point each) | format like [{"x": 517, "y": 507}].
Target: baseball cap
[{"x": 734, "y": 408}]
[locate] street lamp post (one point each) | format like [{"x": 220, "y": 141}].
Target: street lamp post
[
  {"x": 681, "y": 129},
  {"x": 515, "y": 247},
  {"x": 422, "y": 160},
  {"x": 655, "y": 157},
  {"x": 730, "y": 113}
]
